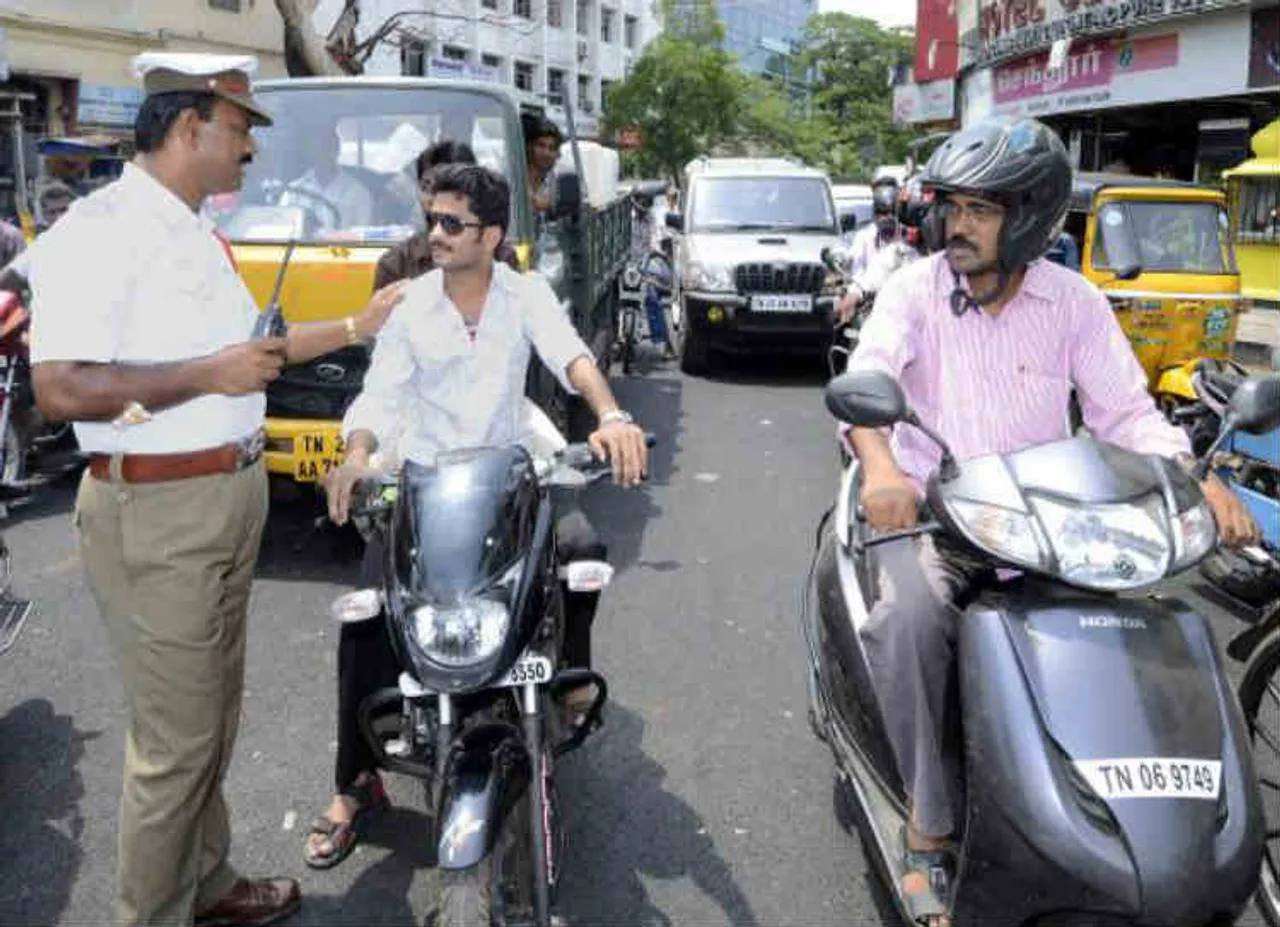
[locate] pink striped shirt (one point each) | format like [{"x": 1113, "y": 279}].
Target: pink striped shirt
[{"x": 998, "y": 384}]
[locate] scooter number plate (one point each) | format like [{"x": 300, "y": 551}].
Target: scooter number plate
[
  {"x": 529, "y": 669},
  {"x": 1153, "y": 777}
]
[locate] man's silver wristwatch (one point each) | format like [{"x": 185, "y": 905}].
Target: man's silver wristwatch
[{"x": 616, "y": 417}]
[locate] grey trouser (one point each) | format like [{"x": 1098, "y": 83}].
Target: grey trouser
[
  {"x": 910, "y": 641},
  {"x": 170, "y": 565}
]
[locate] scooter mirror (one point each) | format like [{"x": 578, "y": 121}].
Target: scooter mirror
[
  {"x": 866, "y": 399},
  {"x": 1255, "y": 405}
]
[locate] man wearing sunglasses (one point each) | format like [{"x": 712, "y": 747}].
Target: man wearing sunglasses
[{"x": 449, "y": 372}]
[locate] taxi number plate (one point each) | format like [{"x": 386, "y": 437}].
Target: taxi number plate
[{"x": 316, "y": 454}]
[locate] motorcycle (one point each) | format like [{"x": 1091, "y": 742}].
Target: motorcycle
[
  {"x": 1107, "y": 774},
  {"x": 639, "y": 282},
  {"x": 844, "y": 338},
  {"x": 1250, "y": 464},
  {"x": 29, "y": 443},
  {"x": 473, "y": 593},
  {"x": 14, "y": 611}
]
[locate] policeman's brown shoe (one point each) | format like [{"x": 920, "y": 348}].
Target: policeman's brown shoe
[{"x": 253, "y": 903}]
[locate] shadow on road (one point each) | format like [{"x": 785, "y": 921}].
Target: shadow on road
[
  {"x": 783, "y": 370},
  {"x": 40, "y": 794},
  {"x": 624, "y": 826},
  {"x": 381, "y": 893}
]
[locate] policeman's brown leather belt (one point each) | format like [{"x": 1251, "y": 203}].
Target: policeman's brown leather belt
[{"x": 162, "y": 468}]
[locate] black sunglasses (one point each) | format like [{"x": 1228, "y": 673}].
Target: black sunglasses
[{"x": 451, "y": 224}]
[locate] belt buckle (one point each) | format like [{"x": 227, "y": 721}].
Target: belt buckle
[{"x": 251, "y": 449}]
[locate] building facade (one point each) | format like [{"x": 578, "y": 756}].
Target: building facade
[
  {"x": 561, "y": 50},
  {"x": 71, "y": 58}
]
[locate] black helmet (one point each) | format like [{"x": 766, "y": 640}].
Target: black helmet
[
  {"x": 884, "y": 196},
  {"x": 914, "y": 202},
  {"x": 1020, "y": 163}
]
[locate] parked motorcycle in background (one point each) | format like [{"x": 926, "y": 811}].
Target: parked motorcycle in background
[{"x": 644, "y": 293}]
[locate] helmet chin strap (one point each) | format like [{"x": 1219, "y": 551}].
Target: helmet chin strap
[{"x": 962, "y": 301}]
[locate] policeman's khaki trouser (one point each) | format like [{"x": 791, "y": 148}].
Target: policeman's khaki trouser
[{"x": 170, "y": 565}]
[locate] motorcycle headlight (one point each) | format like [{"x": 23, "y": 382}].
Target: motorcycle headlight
[
  {"x": 1194, "y": 534},
  {"x": 1006, "y": 532},
  {"x": 631, "y": 277},
  {"x": 712, "y": 277},
  {"x": 463, "y": 634},
  {"x": 1109, "y": 547},
  {"x": 551, "y": 259}
]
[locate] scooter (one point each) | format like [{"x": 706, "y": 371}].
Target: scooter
[
  {"x": 473, "y": 593},
  {"x": 1107, "y": 775}
]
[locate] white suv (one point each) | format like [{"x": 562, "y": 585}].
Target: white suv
[{"x": 748, "y": 266}]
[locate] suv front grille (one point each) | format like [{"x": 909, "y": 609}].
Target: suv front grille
[
  {"x": 322, "y": 388},
  {"x": 780, "y": 278}
]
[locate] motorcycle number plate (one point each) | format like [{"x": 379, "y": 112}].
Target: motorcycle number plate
[
  {"x": 530, "y": 669},
  {"x": 1153, "y": 777}
]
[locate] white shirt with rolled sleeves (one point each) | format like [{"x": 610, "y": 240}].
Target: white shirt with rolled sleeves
[
  {"x": 431, "y": 388},
  {"x": 130, "y": 275}
]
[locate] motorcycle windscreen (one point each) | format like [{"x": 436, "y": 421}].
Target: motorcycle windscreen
[{"x": 463, "y": 523}]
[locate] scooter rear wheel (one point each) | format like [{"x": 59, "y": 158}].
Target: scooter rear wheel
[{"x": 1260, "y": 701}]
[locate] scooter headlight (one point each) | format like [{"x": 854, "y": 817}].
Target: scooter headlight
[
  {"x": 1005, "y": 532},
  {"x": 1194, "y": 534},
  {"x": 463, "y": 634},
  {"x": 1110, "y": 546}
]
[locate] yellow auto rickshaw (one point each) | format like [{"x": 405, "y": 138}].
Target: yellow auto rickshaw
[
  {"x": 1161, "y": 252},
  {"x": 1253, "y": 189}
]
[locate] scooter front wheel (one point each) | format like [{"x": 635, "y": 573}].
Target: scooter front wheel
[{"x": 1260, "y": 701}]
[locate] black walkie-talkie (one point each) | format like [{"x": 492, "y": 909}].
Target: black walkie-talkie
[{"x": 271, "y": 322}]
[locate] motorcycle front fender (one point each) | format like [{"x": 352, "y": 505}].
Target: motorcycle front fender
[{"x": 480, "y": 787}]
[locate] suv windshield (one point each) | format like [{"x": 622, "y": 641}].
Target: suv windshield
[
  {"x": 732, "y": 204},
  {"x": 338, "y": 164},
  {"x": 1170, "y": 237}
]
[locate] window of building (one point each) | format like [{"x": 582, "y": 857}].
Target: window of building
[
  {"x": 524, "y": 76},
  {"x": 630, "y": 28},
  {"x": 522, "y": 8},
  {"x": 584, "y": 17},
  {"x": 585, "y": 102},
  {"x": 489, "y": 4},
  {"x": 555, "y": 85},
  {"x": 555, "y": 13},
  {"x": 606, "y": 25},
  {"x": 605, "y": 87},
  {"x": 453, "y": 53},
  {"x": 231, "y": 6},
  {"x": 413, "y": 58}
]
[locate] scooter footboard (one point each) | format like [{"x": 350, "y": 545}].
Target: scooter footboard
[{"x": 1109, "y": 767}]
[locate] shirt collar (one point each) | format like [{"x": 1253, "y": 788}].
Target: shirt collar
[
  {"x": 504, "y": 283},
  {"x": 1036, "y": 282},
  {"x": 163, "y": 203}
]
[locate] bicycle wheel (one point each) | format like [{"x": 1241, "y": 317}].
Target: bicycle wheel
[{"x": 1260, "y": 702}]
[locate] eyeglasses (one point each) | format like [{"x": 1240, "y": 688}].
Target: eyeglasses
[
  {"x": 451, "y": 224},
  {"x": 978, "y": 211}
]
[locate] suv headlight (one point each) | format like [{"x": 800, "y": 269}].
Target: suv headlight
[
  {"x": 462, "y": 634},
  {"x": 712, "y": 277}
]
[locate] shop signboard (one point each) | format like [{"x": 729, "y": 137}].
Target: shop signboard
[
  {"x": 1198, "y": 61},
  {"x": 931, "y": 102},
  {"x": 992, "y": 31},
  {"x": 937, "y": 40},
  {"x": 107, "y": 105},
  {"x": 1264, "y": 50}
]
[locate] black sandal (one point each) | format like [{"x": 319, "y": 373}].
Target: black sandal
[
  {"x": 938, "y": 869},
  {"x": 343, "y": 837}
]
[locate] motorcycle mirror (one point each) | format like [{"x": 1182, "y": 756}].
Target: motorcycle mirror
[
  {"x": 1255, "y": 405},
  {"x": 837, "y": 259},
  {"x": 1129, "y": 272},
  {"x": 675, "y": 221},
  {"x": 866, "y": 399}
]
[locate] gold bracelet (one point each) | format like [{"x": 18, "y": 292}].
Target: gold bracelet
[{"x": 353, "y": 337}]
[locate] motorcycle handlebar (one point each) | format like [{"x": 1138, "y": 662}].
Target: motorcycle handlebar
[{"x": 579, "y": 456}]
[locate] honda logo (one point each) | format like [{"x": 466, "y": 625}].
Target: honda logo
[{"x": 330, "y": 372}]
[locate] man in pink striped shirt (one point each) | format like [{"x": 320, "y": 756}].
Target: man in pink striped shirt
[{"x": 987, "y": 340}]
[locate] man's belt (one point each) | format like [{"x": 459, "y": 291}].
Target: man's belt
[{"x": 162, "y": 468}]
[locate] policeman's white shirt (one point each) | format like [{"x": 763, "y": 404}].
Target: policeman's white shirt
[
  {"x": 354, "y": 203},
  {"x": 432, "y": 388},
  {"x": 130, "y": 275}
]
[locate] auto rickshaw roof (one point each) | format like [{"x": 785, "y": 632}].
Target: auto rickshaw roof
[{"x": 1088, "y": 184}]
